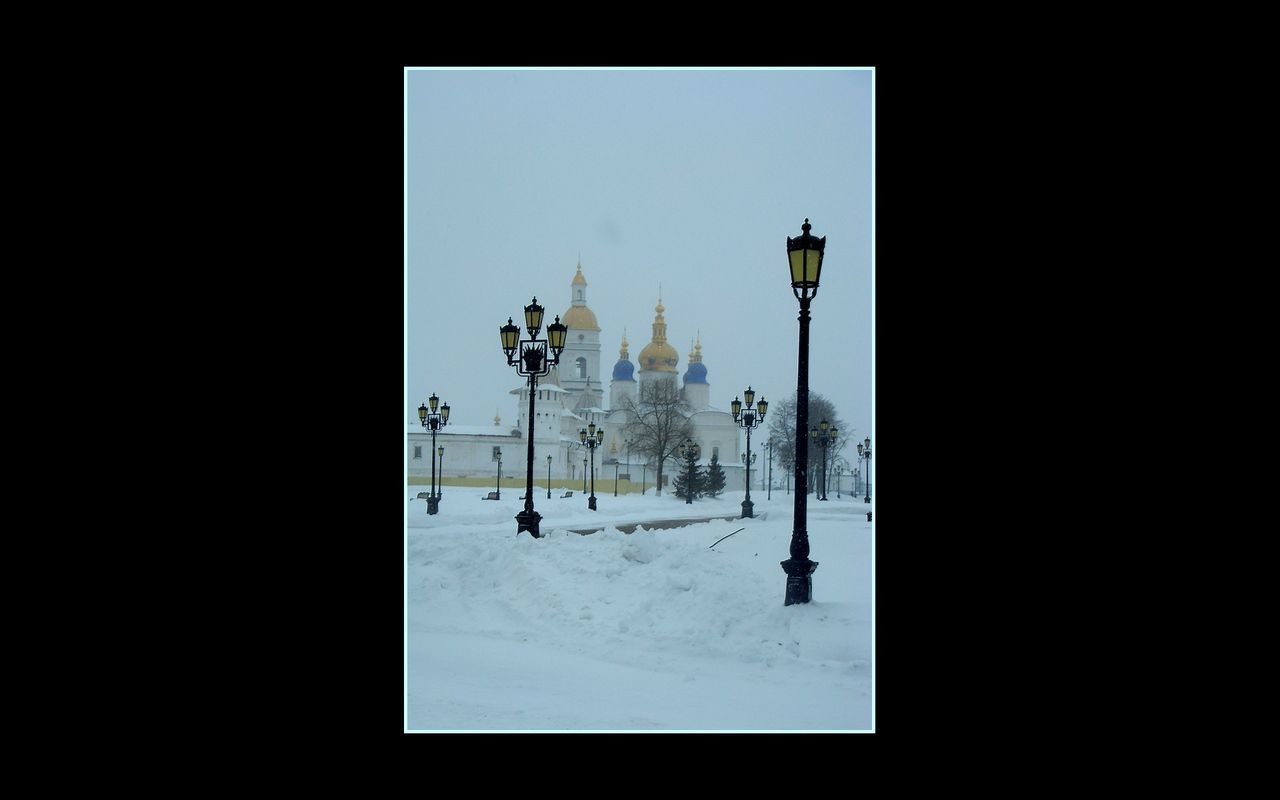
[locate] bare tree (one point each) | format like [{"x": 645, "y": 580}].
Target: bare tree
[
  {"x": 658, "y": 424},
  {"x": 782, "y": 431}
]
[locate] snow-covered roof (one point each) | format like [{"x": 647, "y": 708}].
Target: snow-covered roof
[
  {"x": 466, "y": 430},
  {"x": 542, "y": 387}
]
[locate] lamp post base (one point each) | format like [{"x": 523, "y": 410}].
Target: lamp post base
[
  {"x": 868, "y": 516},
  {"x": 748, "y": 508},
  {"x": 591, "y": 502},
  {"x": 799, "y": 582},
  {"x": 529, "y": 520},
  {"x": 433, "y": 505},
  {"x": 866, "y": 499}
]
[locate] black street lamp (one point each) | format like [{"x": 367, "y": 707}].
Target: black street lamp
[
  {"x": 825, "y": 438},
  {"x": 839, "y": 475},
  {"x": 804, "y": 253},
  {"x": 536, "y": 360},
  {"x": 498, "y": 488},
  {"x": 591, "y": 439},
  {"x": 548, "y": 476},
  {"x": 435, "y": 419},
  {"x": 748, "y": 419},
  {"x": 440, "y": 450},
  {"x": 866, "y": 453},
  {"x": 613, "y": 450},
  {"x": 691, "y": 452},
  {"x": 584, "y": 473},
  {"x": 769, "y": 447},
  {"x": 630, "y": 480}
]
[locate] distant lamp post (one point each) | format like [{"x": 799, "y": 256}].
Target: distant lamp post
[
  {"x": 826, "y": 437},
  {"x": 839, "y": 475},
  {"x": 535, "y": 360},
  {"x": 440, "y": 451},
  {"x": 769, "y": 447},
  {"x": 498, "y": 488},
  {"x": 591, "y": 439},
  {"x": 750, "y": 418},
  {"x": 866, "y": 453},
  {"x": 804, "y": 254},
  {"x": 548, "y": 476},
  {"x": 613, "y": 451},
  {"x": 584, "y": 473},
  {"x": 434, "y": 420},
  {"x": 630, "y": 481},
  {"x": 691, "y": 452}
]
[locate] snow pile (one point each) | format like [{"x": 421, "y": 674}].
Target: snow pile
[{"x": 509, "y": 632}]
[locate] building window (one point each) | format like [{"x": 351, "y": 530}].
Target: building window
[
  {"x": 715, "y": 453},
  {"x": 582, "y": 367},
  {"x": 497, "y": 454},
  {"x": 417, "y": 451}
]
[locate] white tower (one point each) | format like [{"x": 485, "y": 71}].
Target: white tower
[
  {"x": 581, "y": 357},
  {"x": 624, "y": 384},
  {"x": 697, "y": 392}
]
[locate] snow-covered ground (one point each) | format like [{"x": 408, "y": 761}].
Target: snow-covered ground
[{"x": 644, "y": 631}]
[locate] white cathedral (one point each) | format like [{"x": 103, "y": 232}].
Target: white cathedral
[{"x": 571, "y": 397}]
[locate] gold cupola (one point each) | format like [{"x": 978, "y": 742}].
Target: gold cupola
[
  {"x": 657, "y": 355},
  {"x": 579, "y": 317}
]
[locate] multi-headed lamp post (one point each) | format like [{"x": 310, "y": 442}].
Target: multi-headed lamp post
[
  {"x": 535, "y": 360},
  {"x": 435, "y": 419},
  {"x": 825, "y": 436},
  {"x": 591, "y": 439},
  {"x": 804, "y": 253},
  {"x": 866, "y": 453},
  {"x": 748, "y": 419}
]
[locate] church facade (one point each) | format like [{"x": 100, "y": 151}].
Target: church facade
[{"x": 571, "y": 397}]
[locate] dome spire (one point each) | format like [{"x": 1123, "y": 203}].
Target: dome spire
[
  {"x": 497, "y": 420},
  {"x": 659, "y": 322},
  {"x": 622, "y": 353}
]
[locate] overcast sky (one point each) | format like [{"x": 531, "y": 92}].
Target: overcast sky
[{"x": 688, "y": 178}]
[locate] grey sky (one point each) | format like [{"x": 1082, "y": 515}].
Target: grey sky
[{"x": 689, "y": 178}]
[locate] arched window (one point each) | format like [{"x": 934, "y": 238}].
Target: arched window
[{"x": 582, "y": 367}]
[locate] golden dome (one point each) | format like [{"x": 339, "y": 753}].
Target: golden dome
[
  {"x": 658, "y": 357},
  {"x": 579, "y": 318}
]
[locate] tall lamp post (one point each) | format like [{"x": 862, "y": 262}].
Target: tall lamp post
[
  {"x": 536, "y": 360},
  {"x": 691, "y": 451},
  {"x": 548, "y": 476},
  {"x": 440, "y": 452},
  {"x": 498, "y": 488},
  {"x": 769, "y": 447},
  {"x": 613, "y": 451},
  {"x": 804, "y": 254},
  {"x": 748, "y": 419},
  {"x": 435, "y": 419},
  {"x": 591, "y": 439},
  {"x": 826, "y": 438},
  {"x": 866, "y": 453},
  {"x": 839, "y": 475}
]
